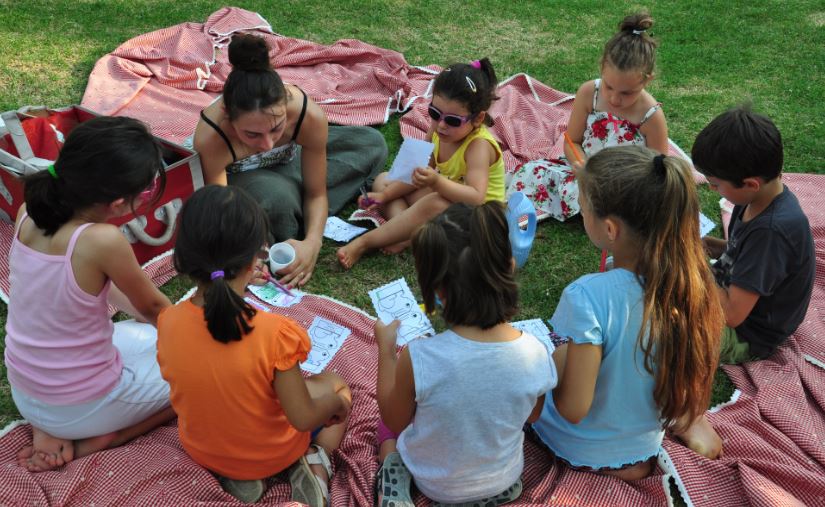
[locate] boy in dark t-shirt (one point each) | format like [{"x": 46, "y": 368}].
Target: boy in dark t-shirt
[{"x": 765, "y": 270}]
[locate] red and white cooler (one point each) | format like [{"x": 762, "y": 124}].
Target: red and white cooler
[{"x": 31, "y": 140}]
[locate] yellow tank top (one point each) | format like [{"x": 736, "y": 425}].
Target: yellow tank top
[{"x": 455, "y": 167}]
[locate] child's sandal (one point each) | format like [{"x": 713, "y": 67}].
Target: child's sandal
[
  {"x": 393, "y": 483},
  {"x": 307, "y": 487}
]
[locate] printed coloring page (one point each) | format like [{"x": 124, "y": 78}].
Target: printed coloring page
[
  {"x": 395, "y": 301},
  {"x": 327, "y": 338},
  {"x": 705, "y": 225},
  {"x": 535, "y": 327},
  {"x": 274, "y": 296},
  {"x": 339, "y": 230}
]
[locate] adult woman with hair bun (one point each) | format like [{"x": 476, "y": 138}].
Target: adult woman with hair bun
[{"x": 275, "y": 142}]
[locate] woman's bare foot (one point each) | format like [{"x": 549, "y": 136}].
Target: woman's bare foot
[
  {"x": 349, "y": 254},
  {"x": 702, "y": 438},
  {"x": 396, "y": 248},
  {"x": 45, "y": 453}
]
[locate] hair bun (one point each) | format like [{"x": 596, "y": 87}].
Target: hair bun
[
  {"x": 640, "y": 21},
  {"x": 249, "y": 52}
]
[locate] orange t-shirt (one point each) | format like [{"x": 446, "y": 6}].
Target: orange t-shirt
[{"x": 229, "y": 417}]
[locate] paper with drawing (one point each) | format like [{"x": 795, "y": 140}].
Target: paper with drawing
[
  {"x": 339, "y": 230},
  {"x": 537, "y": 328},
  {"x": 395, "y": 301},
  {"x": 327, "y": 338},
  {"x": 274, "y": 296}
]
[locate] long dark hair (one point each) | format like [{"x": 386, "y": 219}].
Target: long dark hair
[
  {"x": 103, "y": 160},
  {"x": 471, "y": 85},
  {"x": 682, "y": 316},
  {"x": 253, "y": 84},
  {"x": 465, "y": 252},
  {"x": 221, "y": 228}
]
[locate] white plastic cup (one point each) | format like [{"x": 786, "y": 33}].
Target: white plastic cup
[{"x": 281, "y": 255}]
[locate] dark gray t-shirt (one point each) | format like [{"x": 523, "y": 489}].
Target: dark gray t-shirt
[{"x": 773, "y": 256}]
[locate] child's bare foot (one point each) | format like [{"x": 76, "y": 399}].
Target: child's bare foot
[
  {"x": 349, "y": 254},
  {"x": 91, "y": 445},
  {"x": 396, "y": 248},
  {"x": 633, "y": 473},
  {"x": 702, "y": 438},
  {"x": 45, "y": 453}
]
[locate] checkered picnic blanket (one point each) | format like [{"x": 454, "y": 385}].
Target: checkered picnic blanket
[
  {"x": 155, "y": 470},
  {"x": 166, "y": 77}
]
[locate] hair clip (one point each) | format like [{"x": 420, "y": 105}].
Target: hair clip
[
  {"x": 471, "y": 84},
  {"x": 639, "y": 32},
  {"x": 51, "y": 171},
  {"x": 476, "y": 64},
  {"x": 216, "y": 274}
]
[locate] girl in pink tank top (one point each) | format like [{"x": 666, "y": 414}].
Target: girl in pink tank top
[{"x": 66, "y": 265}]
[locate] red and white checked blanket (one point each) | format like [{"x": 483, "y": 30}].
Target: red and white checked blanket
[
  {"x": 166, "y": 77},
  {"x": 155, "y": 470}
]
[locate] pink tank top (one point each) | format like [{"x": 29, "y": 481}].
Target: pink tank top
[{"x": 59, "y": 346}]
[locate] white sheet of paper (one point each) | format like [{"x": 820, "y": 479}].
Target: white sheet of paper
[
  {"x": 327, "y": 338},
  {"x": 339, "y": 230},
  {"x": 413, "y": 153},
  {"x": 537, "y": 328},
  {"x": 271, "y": 294},
  {"x": 395, "y": 301},
  {"x": 705, "y": 225}
]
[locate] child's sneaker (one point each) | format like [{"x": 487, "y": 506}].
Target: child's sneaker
[
  {"x": 245, "y": 491},
  {"x": 393, "y": 484}
]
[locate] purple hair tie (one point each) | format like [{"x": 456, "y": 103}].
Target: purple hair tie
[
  {"x": 216, "y": 274},
  {"x": 475, "y": 64}
]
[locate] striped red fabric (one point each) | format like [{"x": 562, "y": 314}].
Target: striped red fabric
[
  {"x": 166, "y": 77},
  {"x": 154, "y": 469}
]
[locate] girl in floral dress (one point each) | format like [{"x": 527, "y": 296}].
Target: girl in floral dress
[{"x": 614, "y": 110}]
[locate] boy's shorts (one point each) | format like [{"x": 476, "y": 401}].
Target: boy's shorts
[{"x": 733, "y": 349}]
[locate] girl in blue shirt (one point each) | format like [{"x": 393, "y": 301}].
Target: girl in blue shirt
[{"x": 644, "y": 336}]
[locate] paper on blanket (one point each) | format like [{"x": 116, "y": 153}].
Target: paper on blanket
[
  {"x": 537, "y": 328},
  {"x": 413, "y": 153},
  {"x": 274, "y": 296},
  {"x": 705, "y": 225},
  {"x": 339, "y": 230},
  {"x": 327, "y": 338},
  {"x": 395, "y": 301}
]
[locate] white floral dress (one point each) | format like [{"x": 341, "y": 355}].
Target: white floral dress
[{"x": 551, "y": 185}]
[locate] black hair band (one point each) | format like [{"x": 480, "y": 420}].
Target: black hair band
[{"x": 659, "y": 164}]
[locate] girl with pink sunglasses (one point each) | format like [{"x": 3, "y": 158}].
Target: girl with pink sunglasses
[{"x": 466, "y": 165}]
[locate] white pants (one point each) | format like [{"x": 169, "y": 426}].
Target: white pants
[{"x": 140, "y": 393}]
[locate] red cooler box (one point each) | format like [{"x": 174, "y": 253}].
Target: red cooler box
[{"x": 31, "y": 140}]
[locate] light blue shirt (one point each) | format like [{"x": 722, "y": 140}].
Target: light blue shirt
[{"x": 623, "y": 425}]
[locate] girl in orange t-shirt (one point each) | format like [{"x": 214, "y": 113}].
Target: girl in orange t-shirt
[{"x": 244, "y": 410}]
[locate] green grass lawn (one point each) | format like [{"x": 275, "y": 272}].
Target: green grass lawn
[{"x": 712, "y": 55}]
